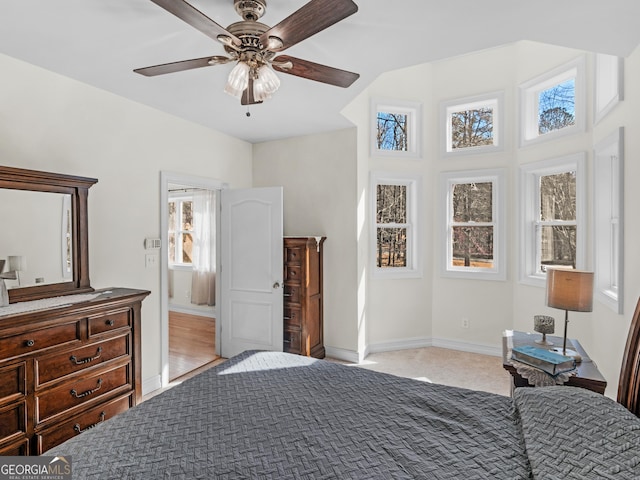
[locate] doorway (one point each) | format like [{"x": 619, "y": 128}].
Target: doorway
[{"x": 189, "y": 236}]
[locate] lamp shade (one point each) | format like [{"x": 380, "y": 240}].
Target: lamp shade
[
  {"x": 17, "y": 263},
  {"x": 570, "y": 290}
]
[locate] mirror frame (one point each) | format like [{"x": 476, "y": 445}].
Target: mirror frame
[{"x": 78, "y": 187}]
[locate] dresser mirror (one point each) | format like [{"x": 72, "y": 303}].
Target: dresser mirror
[{"x": 44, "y": 237}]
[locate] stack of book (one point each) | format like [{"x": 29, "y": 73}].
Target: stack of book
[{"x": 550, "y": 362}]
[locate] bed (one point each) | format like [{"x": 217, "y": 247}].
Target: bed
[{"x": 272, "y": 415}]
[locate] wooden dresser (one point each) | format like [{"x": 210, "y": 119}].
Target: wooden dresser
[
  {"x": 65, "y": 369},
  {"x": 303, "y": 322}
]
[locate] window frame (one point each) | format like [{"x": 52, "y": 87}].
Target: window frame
[
  {"x": 447, "y": 180},
  {"x": 178, "y": 198},
  {"x": 608, "y": 220},
  {"x": 413, "y": 111},
  {"x": 413, "y": 182},
  {"x": 529, "y": 97},
  {"x": 447, "y": 108},
  {"x": 529, "y": 200}
]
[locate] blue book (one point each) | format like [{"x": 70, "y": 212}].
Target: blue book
[{"x": 551, "y": 362}]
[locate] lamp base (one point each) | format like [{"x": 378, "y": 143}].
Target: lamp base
[{"x": 568, "y": 353}]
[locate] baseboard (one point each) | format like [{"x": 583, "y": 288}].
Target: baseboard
[
  {"x": 491, "y": 350},
  {"x": 152, "y": 384},
  {"x": 343, "y": 354},
  {"x": 210, "y": 313},
  {"x": 406, "y": 344}
]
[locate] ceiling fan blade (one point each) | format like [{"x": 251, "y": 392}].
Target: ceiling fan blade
[
  {"x": 312, "y": 18},
  {"x": 247, "y": 95},
  {"x": 180, "y": 66},
  {"x": 315, "y": 71},
  {"x": 195, "y": 18}
]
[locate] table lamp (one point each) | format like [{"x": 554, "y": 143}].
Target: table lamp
[{"x": 569, "y": 290}]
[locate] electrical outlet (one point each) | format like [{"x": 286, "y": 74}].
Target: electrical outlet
[{"x": 465, "y": 323}]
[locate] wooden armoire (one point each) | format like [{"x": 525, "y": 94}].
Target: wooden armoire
[{"x": 303, "y": 302}]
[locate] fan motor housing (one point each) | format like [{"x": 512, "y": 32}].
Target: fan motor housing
[{"x": 250, "y": 10}]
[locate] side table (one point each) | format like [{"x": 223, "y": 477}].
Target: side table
[{"x": 587, "y": 376}]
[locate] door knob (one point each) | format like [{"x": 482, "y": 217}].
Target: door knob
[{"x": 276, "y": 285}]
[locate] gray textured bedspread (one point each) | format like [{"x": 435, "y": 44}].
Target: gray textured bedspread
[{"x": 267, "y": 415}]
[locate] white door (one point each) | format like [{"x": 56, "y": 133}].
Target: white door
[{"x": 251, "y": 270}]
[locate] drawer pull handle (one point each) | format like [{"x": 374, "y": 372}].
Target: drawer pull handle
[
  {"x": 288, "y": 295},
  {"x": 88, "y": 392},
  {"x": 30, "y": 343},
  {"x": 75, "y": 360},
  {"x": 110, "y": 323},
  {"x": 77, "y": 428},
  {"x": 288, "y": 318}
]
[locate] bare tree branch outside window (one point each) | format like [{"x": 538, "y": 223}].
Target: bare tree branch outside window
[
  {"x": 556, "y": 107},
  {"x": 472, "y": 223},
  {"x": 472, "y": 128},
  {"x": 392, "y": 131},
  {"x": 391, "y": 222},
  {"x": 558, "y": 224}
]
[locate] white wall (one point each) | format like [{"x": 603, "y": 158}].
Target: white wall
[
  {"x": 432, "y": 308},
  {"x": 53, "y": 123},
  {"x": 318, "y": 173}
]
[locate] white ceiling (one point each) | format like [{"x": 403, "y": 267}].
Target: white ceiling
[{"x": 100, "y": 42}]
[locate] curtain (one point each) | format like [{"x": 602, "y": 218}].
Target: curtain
[{"x": 203, "y": 278}]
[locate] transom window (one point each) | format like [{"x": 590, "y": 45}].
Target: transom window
[
  {"x": 395, "y": 218},
  {"x": 392, "y": 131},
  {"x": 472, "y": 125},
  {"x": 553, "y": 104},
  {"x": 395, "y": 129},
  {"x": 552, "y": 213},
  {"x": 180, "y": 228},
  {"x": 474, "y": 243}
]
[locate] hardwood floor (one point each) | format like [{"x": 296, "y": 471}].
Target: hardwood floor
[{"x": 191, "y": 343}]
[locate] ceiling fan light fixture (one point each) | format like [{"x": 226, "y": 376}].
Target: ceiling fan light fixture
[
  {"x": 266, "y": 84},
  {"x": 238, "y": 80}
]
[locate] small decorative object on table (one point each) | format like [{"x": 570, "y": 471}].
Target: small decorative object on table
[{"x": 544, "y": 324}]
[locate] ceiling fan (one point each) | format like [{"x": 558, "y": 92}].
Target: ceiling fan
[{"x": 255, "y": 46}]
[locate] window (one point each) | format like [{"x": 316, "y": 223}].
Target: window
[
  {"x": 474, "y": 224},
  {"x": 180, "y": 228},
  {"x": 608, "y": 220},
  {"x": 472, "y": 125},
  {"x": 552, "y": 213},
  {"x": 553, "y": 104},
  {"x": 608, "y": 84},
  {"x": 395, "y": 129},
  {"x": 395, "y": 236}
]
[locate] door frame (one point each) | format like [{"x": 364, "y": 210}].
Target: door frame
[{"x": 167, "y": 178}]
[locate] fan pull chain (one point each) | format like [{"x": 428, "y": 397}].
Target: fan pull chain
[{"x": 248, "y": 112}]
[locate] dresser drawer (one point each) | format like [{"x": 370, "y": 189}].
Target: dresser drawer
[
  {"x": 106, "y": 322},
  {"x": 15, "y": 449},
  {"x": 292, "y": 317},
  {"x": 13, "y": 420},
  {"x": 293, "y": 274},
  {"x": 292, "y": 341},
  {"x": 39, "y": 339},
  {"x": 57, "y": 434},
  {"x": 12, "y": 382},
  {"x": 59, "y": 365},
  {"x": 291, "y": 294},
  {"x": 293, "y": 255},
  {"x": 71, "y": 394}
]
